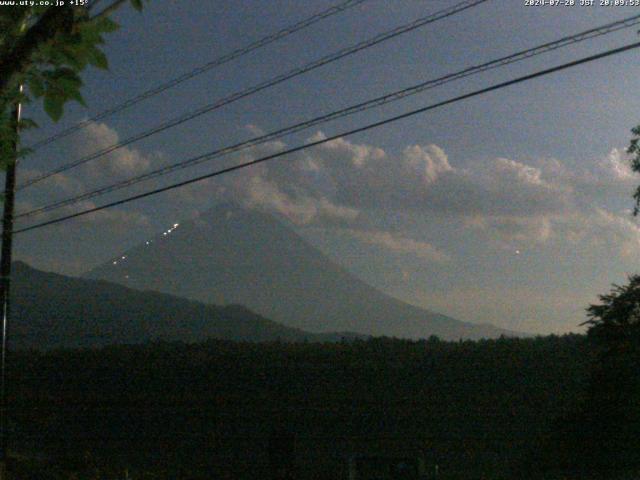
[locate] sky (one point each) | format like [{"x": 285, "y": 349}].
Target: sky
[{"x": 511, "y": 208}]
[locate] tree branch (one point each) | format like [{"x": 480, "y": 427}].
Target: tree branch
[{"x": 55, "y": 20}]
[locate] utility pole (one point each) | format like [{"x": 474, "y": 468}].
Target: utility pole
[{"x": 5, "y": 281}]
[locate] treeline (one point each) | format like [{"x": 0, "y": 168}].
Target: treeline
[{"x": 208, "y": 410}]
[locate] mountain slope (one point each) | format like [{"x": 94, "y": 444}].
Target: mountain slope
[
  {"x": 234, "y": 255},
  {"x": 52, "y": 311}
]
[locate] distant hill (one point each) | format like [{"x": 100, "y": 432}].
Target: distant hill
[
  {"x": 232, "y": 255},
  {"x": 52, "y": 311}
]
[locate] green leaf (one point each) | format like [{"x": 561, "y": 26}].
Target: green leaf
[
  {"x": 90, "y": 33},
  {"x": 66, "y": 74},
  {"x": 137, "y": 4},
  {"x": 36, "y": 85},
  {"x": 77, "y": 96},
  {"x": 75, "y": 56},
  {"x": 53, "y": 105},
  {"x": 98, "y": 59},
  {"x": 104, "y": 24}
]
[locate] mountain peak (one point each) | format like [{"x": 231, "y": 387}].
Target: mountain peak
[{"x": 232, "y": 254}]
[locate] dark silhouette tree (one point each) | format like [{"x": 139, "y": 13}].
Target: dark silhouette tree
[
  {"x": 44, "y": 49},
  {"x": 612, "y": 412},
  {"x": 603, "y": 434},
  {"x": 634, "y": 149}
]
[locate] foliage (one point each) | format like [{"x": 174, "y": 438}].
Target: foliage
[
  {"x": 600, "y": 436},
  {"x": 196, "y": 411},
  {"x": 614, "y": 394},
  {"x": 634, "y": 149},
  {"x": 45, "y": 49},
  {"x": 614, "y": 324}
]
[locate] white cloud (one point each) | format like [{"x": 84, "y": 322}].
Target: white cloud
[
  {"x": 594, "y": 180},
  {"x": 422, "y": 179},
  {"x": 341, "y": 149},
  {"x": 619, "y": 234},
  {"x": 515, "y": 230},
  {"x": 428, "y": 162},
  {"x": 515, "y": 203},
  {"x": 400, "y": 244},
  {"x": 616, "y": 165},
  {"x": 301, "y": 210},
  {"x": 125, "y": 161}
]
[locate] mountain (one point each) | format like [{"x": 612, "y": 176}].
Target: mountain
[
  {"x": 55, "y": 311},
  {"x": 230, "y": 254}
]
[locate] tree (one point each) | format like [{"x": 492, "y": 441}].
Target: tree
[
  {"x": 634, "y": 149},
  {"x": 606, "y": 429},
  {"x": 614, "y": 324},
  {"x": 45, "y": 48},
  {"x": 613, "y": 408},
  {"x": 601, "y": 434}
]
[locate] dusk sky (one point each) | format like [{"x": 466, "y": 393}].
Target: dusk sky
[{"x": 511, "y": 208}]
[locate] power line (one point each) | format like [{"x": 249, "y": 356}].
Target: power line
[
  {"x": 441, "y": 14},
  {"x": 348, "y": 133},
  {"x": 381, "y": 100},
  {"x": 307, "y": 22}
]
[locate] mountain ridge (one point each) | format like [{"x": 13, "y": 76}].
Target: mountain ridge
[
  {"x": 51, "y": 310},
  {"x": 230, "y": 254}
]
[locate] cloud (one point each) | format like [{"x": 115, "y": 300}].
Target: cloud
[
  {"x": 122, "y": 162},
  {"x": 610, "y": 175},
  {"x": 514, "y": 229},
  {"x": 599, "y": 228},
  {"x": 341, "y": 149},
  {"x": 301, "y": 210},
  {"x": 421, "y": 178},
  {"x": 428, "y": 162},
  {"x": 399, "y": 244},
  {"x": 59, "y": 184},
  {"x": 616, "y": 165},
  {"x": 113, "y": 220},
  {"x": 340, "y": 179},
  {"x": 497, "y": 188},
  {"x": 513, "y": 202}
]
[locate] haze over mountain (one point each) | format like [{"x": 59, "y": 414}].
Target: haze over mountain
[
  {"x": 55, "y": 311},
  {"x": 233, "y": 255}
]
